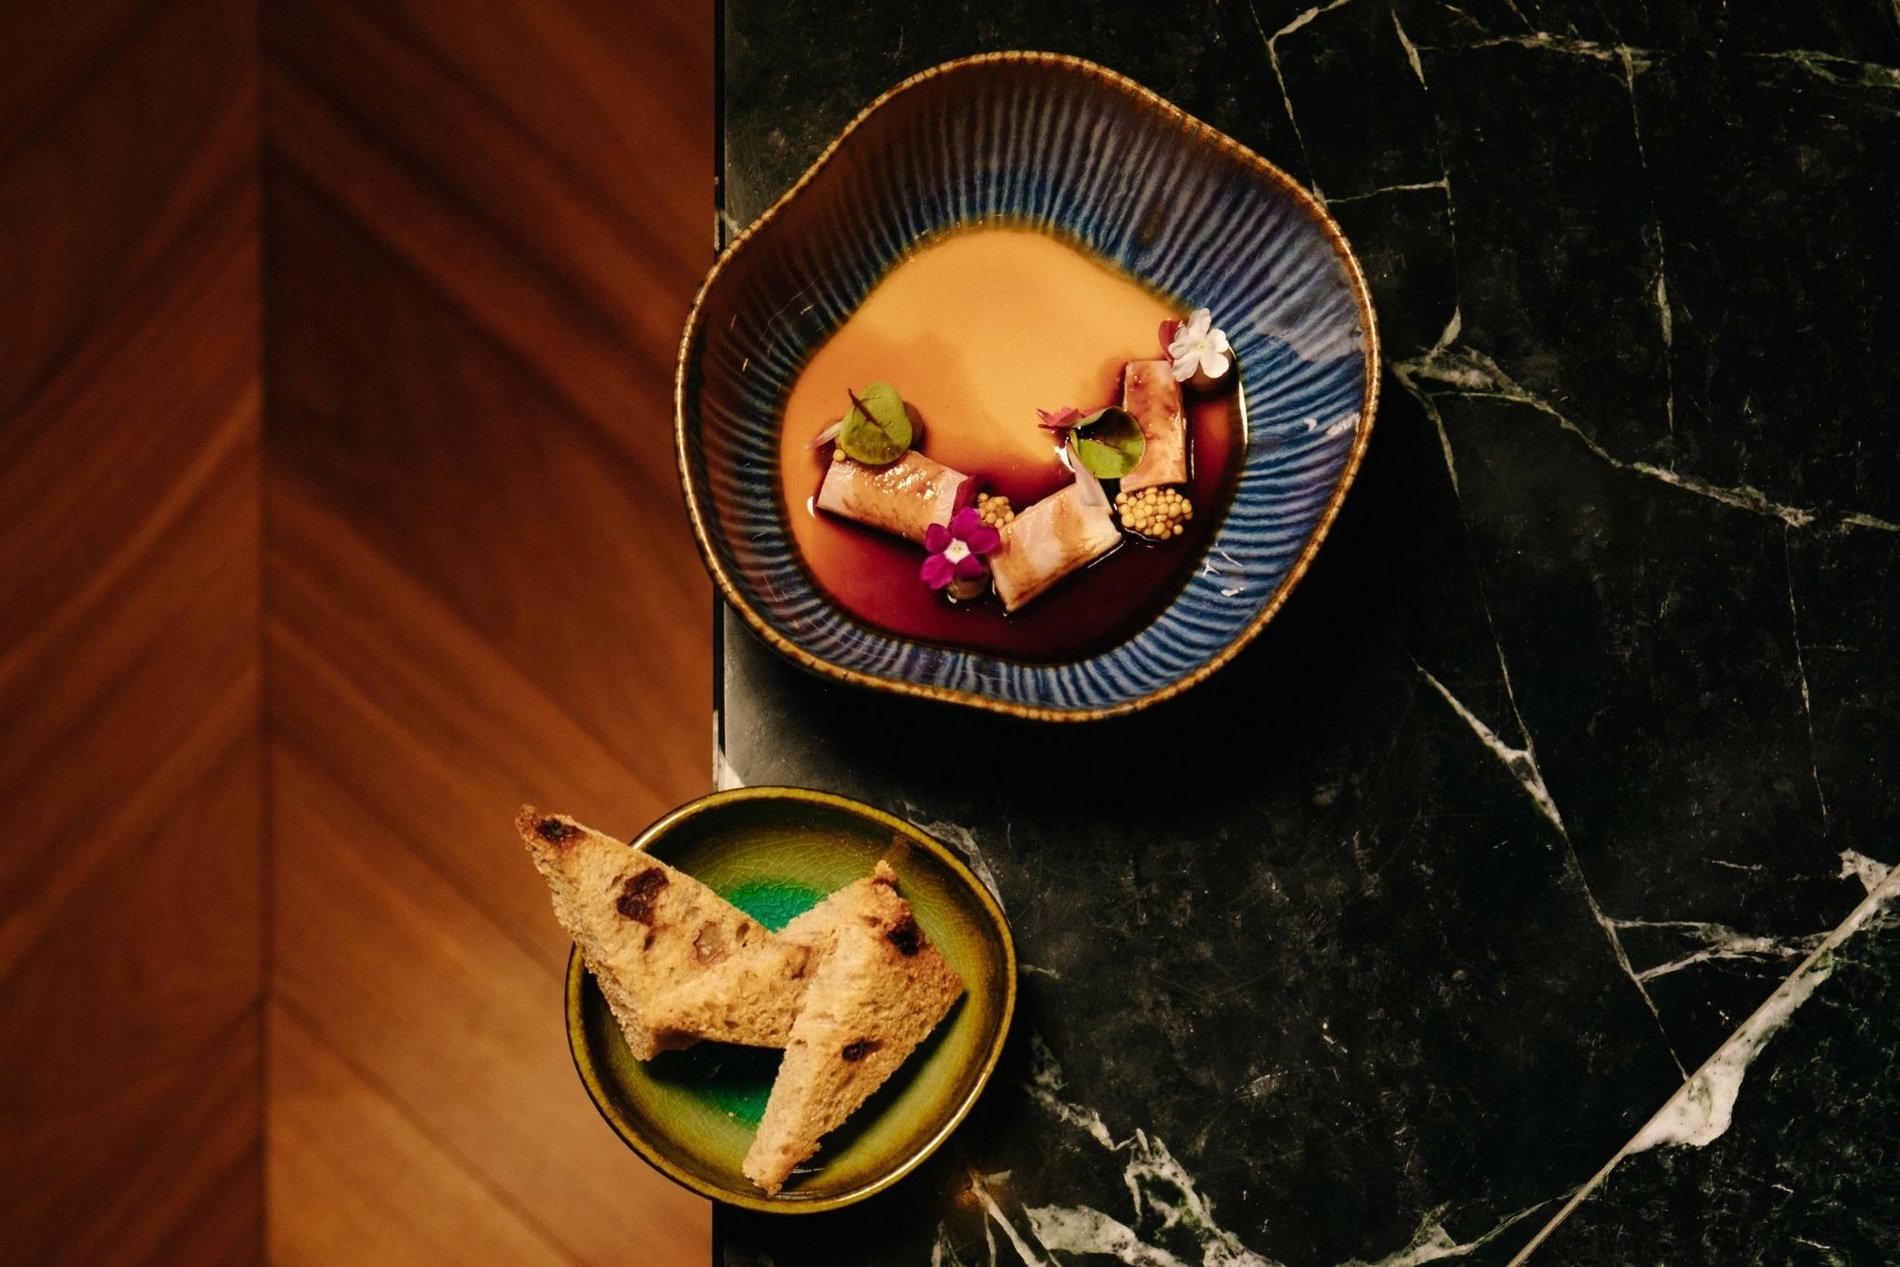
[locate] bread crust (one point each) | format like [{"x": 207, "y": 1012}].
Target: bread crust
[
  {"x": 878, "y": 989},
  {"x": 675, "y": 961}
]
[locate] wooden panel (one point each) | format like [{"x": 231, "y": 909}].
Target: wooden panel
[
  {"x": 389, "y": 1195},
  {"x": 106, "y": 190},
  {"x": 485, "y": 222},
  {"x": 130, "y": 917}
]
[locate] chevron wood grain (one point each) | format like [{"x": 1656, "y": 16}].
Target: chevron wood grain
[
  {"x": 337, "y": 518},
  {"x": 484, "y": 223},
  {"x": 131, "y": 934}
]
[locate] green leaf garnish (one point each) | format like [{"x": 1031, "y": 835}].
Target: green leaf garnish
[
  {"x": 1109, "y": 443},
  {"x": 877, "y": 430}
]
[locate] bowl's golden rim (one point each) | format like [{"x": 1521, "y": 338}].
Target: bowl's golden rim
[
  {"x": 1154, "y": 101},
  {"x": 630, "y": 1134}
]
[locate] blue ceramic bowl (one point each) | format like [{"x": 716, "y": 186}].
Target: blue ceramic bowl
[{"x": 1065, "y": 145}]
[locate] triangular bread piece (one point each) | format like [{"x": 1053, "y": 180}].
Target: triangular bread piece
[
  {"x": 877, "y": 989},
  {"x": 676, "y": 961}
]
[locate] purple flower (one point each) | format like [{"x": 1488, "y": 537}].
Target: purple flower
[{"x": 956, "y": 552}]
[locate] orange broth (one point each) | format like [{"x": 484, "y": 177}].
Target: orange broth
[{"x": 976, "y": 331}]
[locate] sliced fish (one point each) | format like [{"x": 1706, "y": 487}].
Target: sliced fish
[
  {"x": 1153, "y": 399},
  {"x": 902, "y": 498}
]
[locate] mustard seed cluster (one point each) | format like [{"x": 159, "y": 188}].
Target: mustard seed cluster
[
  {"x": 994, "y": 509},
  {"x": 1155, "y": 513}
]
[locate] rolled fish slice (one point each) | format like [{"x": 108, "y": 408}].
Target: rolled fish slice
[
  {"x": 1153, "y": 399},
  {"x": 1064, "y": 531},
  {"x": 903, "y": 498}
]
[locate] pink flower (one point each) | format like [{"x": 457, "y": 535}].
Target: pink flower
[
  {"x": 956, "y": 552},
  {"x": 1061, "y": 420}
]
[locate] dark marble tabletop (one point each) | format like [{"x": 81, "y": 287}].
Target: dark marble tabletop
[{"x": 1519, "y": 893}]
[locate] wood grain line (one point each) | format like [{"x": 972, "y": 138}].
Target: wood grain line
[
  {"x": 228, "y": 725},
  {"x": 312, "y": 1033},
  {"x": 47, "y": 102},
  {"x": 384, "y": 960},
  {"x": 132, "y": 171},
  {"x": 544, "y": 199},
  {"x": 222, "y": 228},
  {"x": 484, "y": 222},
  {"x": 522, "y": 722},
  {"x": 234, "y": 440},
  {"x": 594, "y": 373},
  {"x": 116, "y": 1224}
]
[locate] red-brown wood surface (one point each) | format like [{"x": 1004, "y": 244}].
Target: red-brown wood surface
[
  {"x": 337, "y": 518},
  {"x": 131, "y": 936},
  {"x": 484, "y": 223}
]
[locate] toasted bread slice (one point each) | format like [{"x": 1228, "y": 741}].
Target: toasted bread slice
[
  {"x": 877, "y": 988},
  {"x": 676, "y": 961}
]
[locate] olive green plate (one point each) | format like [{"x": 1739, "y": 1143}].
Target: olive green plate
[{"x": 774, "y": 852}]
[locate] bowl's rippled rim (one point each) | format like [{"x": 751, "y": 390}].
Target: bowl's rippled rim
[
  {"x": 578, "y": 979},
  {"x": 1300, "y": 198}
]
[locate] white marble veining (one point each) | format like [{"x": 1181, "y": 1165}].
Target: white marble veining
[
  {"x": 1046, "y": 1086},
  {"x": 1160, "y": 1190},
  {"x": 1801, "y": 670},
  {"x": 1465, "y": 371},
  {"x": 1844, "y": 72},
  {"x": 964, "y": 841},
  {"x": 1081, "y": 1230},
  {"x": 1273, "y": 58},
  {"x": 1549, "y": 42},
  {"x": 1717, "y": 941},
  {"x": 980, "y": 1188},
  {"x": 1522, "y": 763},
  {"x": 1703, "y": 1107},
  {"x": 1432, "y": 1243},
  {"x": 1664, "y": 316},
  {"x": 1406, "y": 187},
  {"x": 1404, "y": 372},
  {"x": 1869, "y": 871},
  {"x": 1411, "y": 49}
]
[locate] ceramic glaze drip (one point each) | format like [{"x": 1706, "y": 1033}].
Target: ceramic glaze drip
[{"x": 978, "y": 331}]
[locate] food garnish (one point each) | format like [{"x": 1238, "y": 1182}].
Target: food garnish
[
  {"x": 994, "y": 509},
  {"x": 1200, "y": 352},
  {"x": 1108, "y": 442},
  {"x": 955, "y": 561},
  {"x": 877, "y": 430},
  {"x": 1155, "y": 513}
]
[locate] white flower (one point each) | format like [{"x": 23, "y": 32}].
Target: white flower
[{"x": 1200, "y": 349}]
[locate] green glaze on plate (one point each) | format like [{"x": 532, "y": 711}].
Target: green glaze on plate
[
  {"x": 773, "y": 903},
  {"x": 774, "y": 852}
]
